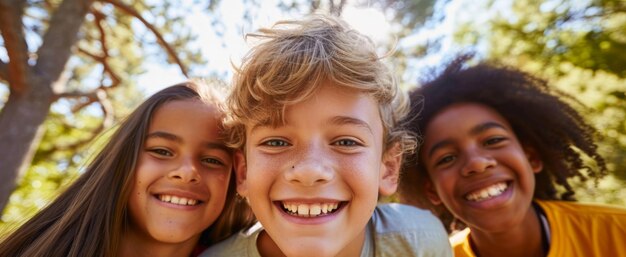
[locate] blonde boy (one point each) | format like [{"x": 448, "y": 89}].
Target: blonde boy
[{"x": 315, "y": 112}]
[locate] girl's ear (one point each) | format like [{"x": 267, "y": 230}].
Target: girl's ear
[
  {"x": 533, "y": 159},
  {"x": 390, "y": 170},
  {"x": 241, "y": 173},
  {"x": 431, "y": 193}
]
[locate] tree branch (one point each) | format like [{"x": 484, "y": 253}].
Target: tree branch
[
  {"x": 168, "y": 48},
  {"x": 59, "y": 39},
  {"x": 11, "y": 25},
  {"x": 100, "y": 96}
]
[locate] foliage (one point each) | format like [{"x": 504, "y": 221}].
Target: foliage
[
  {"x": 96, "y": 86},
  {"x": 580, "y": 46}
]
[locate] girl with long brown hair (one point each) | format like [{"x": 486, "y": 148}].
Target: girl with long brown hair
[{"x": 162, "y": 186}]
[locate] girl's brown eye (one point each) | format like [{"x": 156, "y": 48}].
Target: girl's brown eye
[
  {"x": 446, "y": 159},
  {"x": 494, "y": 140},
  {"x": 212, "y": 161},
  {"x": 161, "y": 152}
]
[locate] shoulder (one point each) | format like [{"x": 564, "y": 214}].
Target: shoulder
[
  {"x": 460, "y": 243},
  {"x": 590, "y": 210},
  {"x": 240, "y": 244},
  {"x": 585, "y": 229},
  {"x": 403, "y": 230},
  {"x": 396, "y": 217}
]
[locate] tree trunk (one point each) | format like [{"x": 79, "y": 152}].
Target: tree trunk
[
  {"x": 21, "y": 119},
  {"x": 20, "y": 134}
]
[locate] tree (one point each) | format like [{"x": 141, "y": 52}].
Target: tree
[
  {"x": 77, "y": 51},
  {"x": 581, "y": 48}
]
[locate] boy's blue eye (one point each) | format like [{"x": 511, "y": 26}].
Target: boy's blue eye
[
  {"x": 346, "y": 142},
  {"x": 275, "y": 143}
]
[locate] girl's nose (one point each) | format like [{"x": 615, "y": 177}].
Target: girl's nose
[
  {"x": 186, "y": 172},
  {"x": 478, "y": 163}
]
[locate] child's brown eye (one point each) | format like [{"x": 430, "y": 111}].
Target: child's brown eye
[
  {"x": 212, "y": 161},
  {"x": 445, "y": 159},
  {"x": 494, "y": 140},
  {"x": 160, "y": 151}
]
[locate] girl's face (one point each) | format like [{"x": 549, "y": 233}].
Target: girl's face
[
  {"x": 182, "y": 175},
  {"x": 478, "y": 168}
]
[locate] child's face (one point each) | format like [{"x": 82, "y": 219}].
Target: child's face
[
  {"x": 478, "y": 168},
  {"x": 182, "y": 174},
  {"x": 314, "y": 182}
]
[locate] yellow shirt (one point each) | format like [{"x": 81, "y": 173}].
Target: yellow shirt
[{"x": 576, "y": 229}]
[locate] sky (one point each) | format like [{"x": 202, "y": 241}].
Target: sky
[{"x": 220, "y": 54}]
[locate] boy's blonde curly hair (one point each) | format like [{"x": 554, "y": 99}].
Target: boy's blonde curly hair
[{"x": 294, "y": 58}]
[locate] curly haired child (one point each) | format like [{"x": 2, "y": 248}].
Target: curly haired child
[
  {"x": 315, "y": 114},
  {"x": 163, "y": 185},
  {"x": 499, "y": 146}
]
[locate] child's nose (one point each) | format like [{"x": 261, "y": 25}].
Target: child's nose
[
  {"x": 477, "y": 163},
  {"x": 311, "y": 169},
  {"x": 186, "y": 172}
]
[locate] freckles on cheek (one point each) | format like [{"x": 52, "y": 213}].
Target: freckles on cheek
[{"x": 360, "y": 167}]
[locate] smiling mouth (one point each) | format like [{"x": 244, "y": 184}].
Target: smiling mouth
[
  {"x": 310, "y": 210},
  {"x": 178, "y": 200},
  {"x": 487, "y": 193}
]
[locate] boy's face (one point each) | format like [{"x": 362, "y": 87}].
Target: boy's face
[
  {"x": 478, "y": 168},
  {"x": 182, "y": 175},
  {"x": 314, "y": 182}
]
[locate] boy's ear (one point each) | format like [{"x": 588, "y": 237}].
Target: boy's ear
[
  {"x": 390, "y": 170},
  {"x": 533, "y": 159},
  {"x": 241, "y": 171},
  {"x": 431, "y": 193}
]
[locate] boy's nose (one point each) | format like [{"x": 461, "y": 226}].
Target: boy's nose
[
  {"x": 186, "y": 172},
  {"x": 310, "y": 170},
  {"x": 477, "y": 163}
]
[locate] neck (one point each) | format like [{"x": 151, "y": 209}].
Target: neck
[
  {"x": 267, "y": 247},
  {"x": 135, "y": 245},
  {"x": 524, "y": 239}
]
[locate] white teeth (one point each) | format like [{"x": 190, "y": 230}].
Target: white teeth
[
  {"x": 310, "y": 210},
  {"x": 315, "y": 209},
  {"x": 487, "y": 192},
  {"x": 177, "y": 200},
  {"x": 303, "y": 209}
]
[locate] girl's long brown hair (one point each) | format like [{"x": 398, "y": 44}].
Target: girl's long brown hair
[{"x": 90, "y": 217}]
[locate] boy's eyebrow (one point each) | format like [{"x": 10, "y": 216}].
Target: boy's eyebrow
[
  {"x": 262, "y": 123},
  {"x": 346, "y": 120},
  {"x": 474, "y": 131}
]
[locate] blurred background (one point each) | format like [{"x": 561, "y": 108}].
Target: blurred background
[{"x": 70, "y": 69}]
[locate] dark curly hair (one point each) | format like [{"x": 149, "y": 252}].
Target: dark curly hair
[{"x": 541, "y": 117}]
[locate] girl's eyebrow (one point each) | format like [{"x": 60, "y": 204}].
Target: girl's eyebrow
[
  {"x": 474, "y": 131},
  {"x": 485, "y": 126},
  {"x": 164, "y": 135},
  {"x": 177, "y": 139},
  {"x": 218, "y": 146}
]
